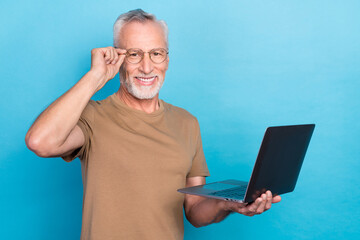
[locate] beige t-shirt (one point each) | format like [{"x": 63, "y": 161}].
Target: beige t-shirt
[{"x": 132, "y": 164}]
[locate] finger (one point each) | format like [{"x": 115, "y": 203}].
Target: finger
[
  {"x": 254, "y": 206},
  {"x": 120, "y": 51},
  {"x": 261, "y": 207},
  {"x": 276, "y": 199},
  {"x": 119, "y": 61},
  {"x": 112, "y": 55},
  {"x": 268, "y": 200},
  {"x": 107, "y": 55},
  {"x": 116, "y": 56},
  {"x": 120, "y": 54}
]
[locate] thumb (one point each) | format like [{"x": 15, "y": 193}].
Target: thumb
[
  {"x": 120, "y": 61},
  {"x": 276, "y": 199},
  {"x": 122, "y": 55}
]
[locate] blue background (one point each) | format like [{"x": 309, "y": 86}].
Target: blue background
[{"x": 238, "y": 66}]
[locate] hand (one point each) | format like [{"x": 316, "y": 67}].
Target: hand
[
  {"x": 261, "y": 204},
  {"x": 105, "y": 63}
]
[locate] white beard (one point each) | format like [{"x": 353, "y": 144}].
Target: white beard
[{"x": 142, "y": 92}]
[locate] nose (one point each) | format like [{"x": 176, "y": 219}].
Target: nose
[{"x": 146, "y": 65}]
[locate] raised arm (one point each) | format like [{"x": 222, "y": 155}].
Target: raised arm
[
  {"x": 55, "y": 133},
  {"x": 201, "y": 211}
]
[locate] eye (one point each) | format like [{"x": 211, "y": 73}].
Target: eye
[
  {"x": 158, "y": 53},
  {"x": 133, "y": 54}
]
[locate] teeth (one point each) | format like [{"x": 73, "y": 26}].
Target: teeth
[{"x": 146, "y": 79}]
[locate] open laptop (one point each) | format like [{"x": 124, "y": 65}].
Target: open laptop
[{"x": 277, "y": 167}]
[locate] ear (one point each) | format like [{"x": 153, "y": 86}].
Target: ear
[
  {"x": 122, "y": 74},
  {"x": 167, "y": 62}
]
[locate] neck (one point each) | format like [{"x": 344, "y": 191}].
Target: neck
[{"x": 145, "y": 105}]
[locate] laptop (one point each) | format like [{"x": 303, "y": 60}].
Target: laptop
[{"x": 277, "y": 167}]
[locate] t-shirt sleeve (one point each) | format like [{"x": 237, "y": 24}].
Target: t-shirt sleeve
[
  {"x": 85, "y": 123},
  {"x": 199, "y": 166}
]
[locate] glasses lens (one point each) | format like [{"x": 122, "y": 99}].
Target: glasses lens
[
  {"x": 158, "y": 55},
  {"x": 134, "y": 55}
]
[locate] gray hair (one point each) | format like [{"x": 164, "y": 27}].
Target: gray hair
[{"x": 140, "y": 16}]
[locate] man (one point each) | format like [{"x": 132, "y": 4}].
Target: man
[{"x": 135, "y": 149}]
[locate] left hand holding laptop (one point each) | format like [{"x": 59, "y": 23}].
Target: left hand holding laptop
[{"x": 260, "y": 205}]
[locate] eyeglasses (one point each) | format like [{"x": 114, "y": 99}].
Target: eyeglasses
[{"x": 136, "y": 55}]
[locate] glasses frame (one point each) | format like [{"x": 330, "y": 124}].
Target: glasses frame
[{"x": 143, "y": 54}]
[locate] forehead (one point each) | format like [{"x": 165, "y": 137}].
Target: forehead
[{"x": 146, "y": 35}]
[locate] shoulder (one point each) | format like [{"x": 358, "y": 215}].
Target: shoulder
[
  {"x": 180, "y": 113},
  {"x": 95, "y": 107}
]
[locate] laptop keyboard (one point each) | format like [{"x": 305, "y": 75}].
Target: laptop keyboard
[{"x": 235, "y": 193}]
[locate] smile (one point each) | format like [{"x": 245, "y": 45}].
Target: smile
[{"x": 146, "y": 80}]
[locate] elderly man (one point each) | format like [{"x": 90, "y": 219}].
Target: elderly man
[{"x": 135, "y": 149}]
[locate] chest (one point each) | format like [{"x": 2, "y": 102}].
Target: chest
[{"x": 135, "y": 148}]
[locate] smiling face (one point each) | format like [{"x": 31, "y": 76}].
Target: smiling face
[{"x": 143, "y": 80}]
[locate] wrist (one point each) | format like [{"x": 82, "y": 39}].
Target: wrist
[
  {"x": 224, "y": 205},
  {"x": 96, "y": 79},
  {"x": 98, "y": 76}
]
